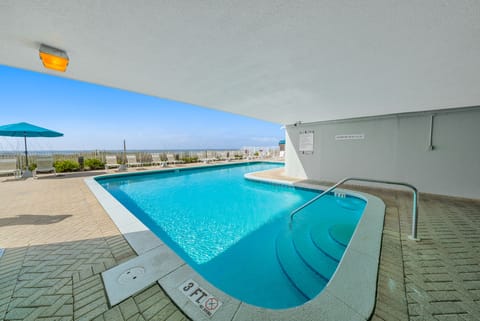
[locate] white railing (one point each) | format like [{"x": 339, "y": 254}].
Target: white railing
[{"x": 413, "y": 188}]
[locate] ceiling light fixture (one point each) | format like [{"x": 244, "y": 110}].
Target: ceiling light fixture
[{"x": 53, "y": 58}]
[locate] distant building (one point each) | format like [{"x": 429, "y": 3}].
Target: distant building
[{"x": 281, "y": 145}]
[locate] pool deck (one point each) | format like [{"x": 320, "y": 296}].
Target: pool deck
[{"x": 58, "y": 239}]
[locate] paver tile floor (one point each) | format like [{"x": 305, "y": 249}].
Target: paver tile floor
[{"x": 58, "y": 239}]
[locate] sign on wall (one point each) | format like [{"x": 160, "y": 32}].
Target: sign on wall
[
  {"x": 350, "y": 137},
  {"x": 306, "y": 142}
]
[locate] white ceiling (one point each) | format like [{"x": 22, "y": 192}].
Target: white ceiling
[{"x": 282, "y": 61}]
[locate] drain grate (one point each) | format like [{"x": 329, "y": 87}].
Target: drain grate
[{"x": 131, "y": 275}]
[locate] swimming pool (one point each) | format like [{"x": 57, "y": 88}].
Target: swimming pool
[{"x": 235, "y": 233}]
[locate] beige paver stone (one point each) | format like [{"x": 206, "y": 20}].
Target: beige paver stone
[
  {"x": 85, "y": 273},
  {"x": 26, "y": 296},
  {"x": 113, "y": 314},
  {"x": 4, "y": 301},
  {"x": 67, "y": 289},
  {"x": 65, "y": 310},
  {"x": 155, "y": 300},
  {"x": 136, "y": 317},
  {"x": 46, "y": 300},
  {"x": 155, "y": 308},
  {"x": 61, "y": 283},
  {"x": 164, "y": 313},
  {"x": 142, "y": 299},
  {"x": 55, "y": 319},
  {"x": 128, "y": 308},
  {"x": 89, "y": 314},
  {"x": 91, "y": 285},
  {"x": 176, "y": 316},
  {"x": 98, "y": 268},
  {"x": 89, "y": 299},
  {"x": 19, "y": 313},
  {"x": 99, "y": 318},
  {"x": 62, "y": 307}
]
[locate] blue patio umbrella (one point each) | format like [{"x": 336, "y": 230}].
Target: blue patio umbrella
[{"x": 27, "y": 130}]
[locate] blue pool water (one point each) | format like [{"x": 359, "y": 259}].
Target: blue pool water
[{"x": 234, "y": 232}]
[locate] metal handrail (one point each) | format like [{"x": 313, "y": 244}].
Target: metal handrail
[{"x": 413, "y": 188}]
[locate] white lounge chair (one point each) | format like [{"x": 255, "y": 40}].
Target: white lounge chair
[
  {"x": 211, "y": 156},
  {"x": 156, "y": 160},
  {"x": 235, "y": 155},
  {"x": 132, "y": 161},
  {"x": 9, "y": 166},
  {"x": 44, "y": 165},
  {"x": 222, "y": 156},
  {"x": 266, "y": 154},
  {"x": 227, "y": 156},
  {"x": 172, "y": 160},
  {"x": 202, "y": 157},
  {"x": 111, "y": 162}
]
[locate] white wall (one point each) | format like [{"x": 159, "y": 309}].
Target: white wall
[{"x": 395, "y": 148}]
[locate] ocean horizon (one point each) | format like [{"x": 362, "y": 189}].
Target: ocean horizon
[{"x": 72, "y": 151}]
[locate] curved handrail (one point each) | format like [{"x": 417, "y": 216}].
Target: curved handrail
[{"x": 413, "y": 188}]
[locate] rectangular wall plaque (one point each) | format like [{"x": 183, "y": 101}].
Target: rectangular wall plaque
[
  {"x": 306, "y": 142},
  {"x": 350, "y": 137}
]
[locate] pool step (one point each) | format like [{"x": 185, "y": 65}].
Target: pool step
[
  {"x": 314, "y": 257},
  {"x": 342, "y": 233},
  {"x": 307, "y": 281},
  {"x": 320, "y": 236},
  {"x": 350, "y": 203}
]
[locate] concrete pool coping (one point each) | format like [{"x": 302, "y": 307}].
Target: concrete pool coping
[{"x": 349, "y": 295}]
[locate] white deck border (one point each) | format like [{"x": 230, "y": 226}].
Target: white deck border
[{"x": 349, "y": 295}]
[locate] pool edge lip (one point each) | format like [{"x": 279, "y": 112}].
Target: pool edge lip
[
  {"x": 179, "y": 169},
  {"x": 350, "y": 293}
]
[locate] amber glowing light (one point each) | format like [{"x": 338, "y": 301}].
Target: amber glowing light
[{"x": 53, "y": 58}]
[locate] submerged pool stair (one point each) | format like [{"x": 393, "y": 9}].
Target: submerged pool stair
[
  {"x": 304, "y": 278},
  {"x": 309, "y": 256}
]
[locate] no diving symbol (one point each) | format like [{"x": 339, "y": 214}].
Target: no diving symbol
[{"x": 211, "y": 304}]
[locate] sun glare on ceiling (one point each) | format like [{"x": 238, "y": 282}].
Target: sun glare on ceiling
[{"x": 53, "y": 58}]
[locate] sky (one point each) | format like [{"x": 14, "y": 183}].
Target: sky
[{"x": 94, "y": 117}]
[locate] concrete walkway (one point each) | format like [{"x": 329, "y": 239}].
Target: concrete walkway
[{"x": 58, "y": 239}]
